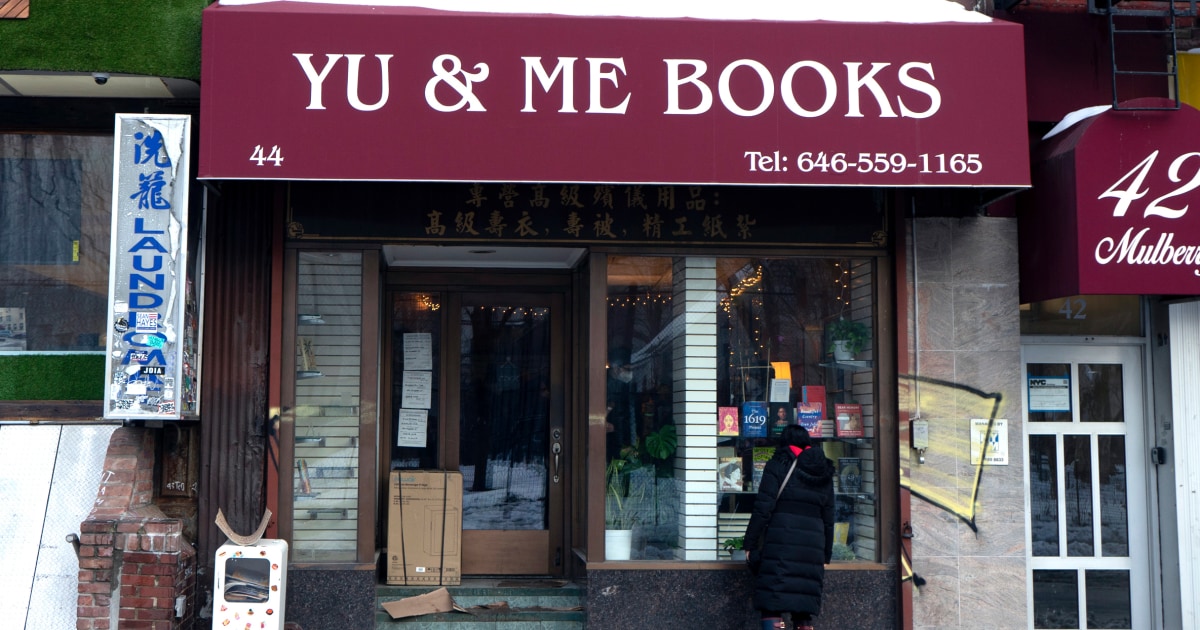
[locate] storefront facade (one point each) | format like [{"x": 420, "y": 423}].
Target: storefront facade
[
  {"x": 552, "y": 263},
  {"x": 552, "y": 253}
]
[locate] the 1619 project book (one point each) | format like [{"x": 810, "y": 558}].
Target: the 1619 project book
[{"x": 754, "y": 419}]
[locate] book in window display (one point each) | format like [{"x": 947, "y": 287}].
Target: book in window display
[
  {"x": 809, "y": 416},
  {"x": 727, "y": 421},
  {"x": 813, "y": 395},
  {"x": 849, "y": 475},
  {"x": 754, "y": 419},
  {"x": 781, "y": 415},
  {"x": 761, "y": 455},
  {"x": 729, "y": 474},
  {"x": 848, "y": 419}
]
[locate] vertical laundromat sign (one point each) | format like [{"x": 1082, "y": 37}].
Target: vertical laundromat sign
[{"x": 150, "y": 371}]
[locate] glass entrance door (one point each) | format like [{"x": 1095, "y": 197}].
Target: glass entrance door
[
  {"x": 1089, "y": 541},
  {"x": 510, "y": 447},
  {"x": 495, "y": 412}
]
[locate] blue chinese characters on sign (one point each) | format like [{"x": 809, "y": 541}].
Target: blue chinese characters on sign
[{"x": 147, "y": 267}]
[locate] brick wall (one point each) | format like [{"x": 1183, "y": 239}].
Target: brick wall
[{"x": 134, "y": 563}]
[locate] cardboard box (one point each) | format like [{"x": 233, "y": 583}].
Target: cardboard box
[{"x": 425, "y": 528}]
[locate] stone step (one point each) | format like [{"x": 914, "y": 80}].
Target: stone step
[
  {"x": 463, "y": 621},
  {"x": 528, "y": 603}
]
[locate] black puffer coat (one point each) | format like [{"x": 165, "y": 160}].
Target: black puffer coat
[{"x": 791, "y": 540}]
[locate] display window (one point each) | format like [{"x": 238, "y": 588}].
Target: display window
[
  {"x": 708, "y": 358},
  {"x": 55, "y": 217}
]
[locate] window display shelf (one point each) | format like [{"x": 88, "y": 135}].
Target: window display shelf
[
  {"x": 849, "y": 366},
  {"x": 861, "y": 442}
]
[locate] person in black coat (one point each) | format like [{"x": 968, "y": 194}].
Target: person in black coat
[{"x": 789, "y": 539}]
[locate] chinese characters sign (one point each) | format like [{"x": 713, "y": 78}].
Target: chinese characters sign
[
  {"x": 151, "y": 365},
  {"x": 578, "y": 214},
  {"x": 401, "y": 93}
]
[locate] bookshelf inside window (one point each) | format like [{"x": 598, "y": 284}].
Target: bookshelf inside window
[
  {"x": 696, "y": 342},
  {"x": 781, "y": 369}
]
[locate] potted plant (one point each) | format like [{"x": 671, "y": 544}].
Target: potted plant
[
  {"x": 849, "y": 337},
  {"x": 623, "y": 504},
  {"x": 734, "y": 547},
  {"x": 655, "y": 449}
]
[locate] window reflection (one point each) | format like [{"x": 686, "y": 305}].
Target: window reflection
[
  {"x": 1043, "y": 494},
  {"x": 1114, "y": 508},
  {"x": 504, "y": 411},
  {"x": 1077, "y": 465},
  {"x": 640, "y": 424},
  {"x": 55, "y": 218},
  {"x": 1101, "y": 394},
  {"x": 1108, "y": 599},
  {"x": 1055, "y": 599},
  {"x": 740, "y": 326}
]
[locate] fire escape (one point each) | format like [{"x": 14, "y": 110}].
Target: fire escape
[{"x": 1149, "y": 18}]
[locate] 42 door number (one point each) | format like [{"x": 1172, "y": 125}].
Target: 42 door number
[
  {"x": 1074, "y": 308},
  {"x": 1130, "y": 187},
  {"x": 261, "y": 156}
]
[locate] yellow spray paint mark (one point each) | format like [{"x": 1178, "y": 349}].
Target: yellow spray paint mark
[
  {"x": 74, "y": 251},
  {"x": 906, "y": 572},
  {"x": 948, "y": 408}
]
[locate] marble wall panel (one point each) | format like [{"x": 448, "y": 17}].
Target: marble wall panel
[
  {"x": 984, "y": 251},
  {"x": 967, "y": 332},
  {"x": 939, "y": 596},
  {"x": 933, "y": 243},
  {"x": 992, "y": 589},
  {"x": 986, "y": 317}
]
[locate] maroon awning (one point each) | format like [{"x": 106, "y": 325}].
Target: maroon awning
[
  {"x": 298, "y": 91},
  {"x": 1109, "y": 212}
]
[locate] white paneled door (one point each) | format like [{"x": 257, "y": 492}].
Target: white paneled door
[{"x": 1089, "y": 544}]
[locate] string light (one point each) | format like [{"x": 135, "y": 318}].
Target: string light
[
  {"x": 516, "y": 311},
  {"x": 741, "y": 287},
  {"x": 640, "y": 300}
]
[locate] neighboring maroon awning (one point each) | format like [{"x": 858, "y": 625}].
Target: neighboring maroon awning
[
  {"x": 480, "y": 97},
  {"x": 1110, "y": 209}
]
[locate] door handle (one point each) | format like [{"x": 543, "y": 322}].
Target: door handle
[{"x": 556, "y": 448}]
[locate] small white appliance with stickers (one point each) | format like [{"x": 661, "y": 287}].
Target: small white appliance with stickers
[{"x": 251, "y": 586}]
